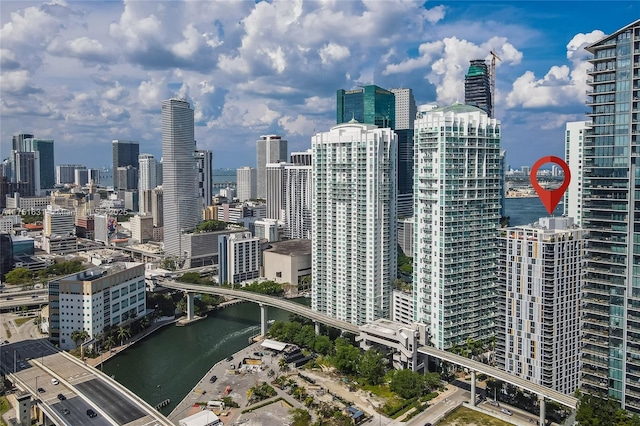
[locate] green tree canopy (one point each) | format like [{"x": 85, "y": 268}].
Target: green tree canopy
[
  {"x": 211, "y": 225},
  {"x": 372, "y": 367},
  {"x": 346, "y": 357},
  {"x": 407, "y": 384},
  {"x": 19, "y": 276}
]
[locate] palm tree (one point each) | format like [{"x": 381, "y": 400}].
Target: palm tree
[
  {"x": 109, "y": 343},
  {"x": 79, "y": 336},
  {"x": 123, "y": 333},
  {"x": 144, "y": 322}
]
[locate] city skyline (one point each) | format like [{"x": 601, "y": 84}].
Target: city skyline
[{"x": 105, "y": 78}]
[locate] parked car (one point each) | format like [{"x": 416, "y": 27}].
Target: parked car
[
  {"x": 213, "y": 379},
  {"x": 54, "y": 381},
  {"x": 230, "y": 358},
  {"x": 41, "y": 390},
  {"x": 91, "y": 413},
  {"x": 61, "y": 397}
]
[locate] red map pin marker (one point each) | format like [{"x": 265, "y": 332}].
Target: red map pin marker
[{"x": 550, "y": 198}]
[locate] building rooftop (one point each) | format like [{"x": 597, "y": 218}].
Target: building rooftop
[
  {"x": 458, "y": 108},
  {"x": 298, "y": 247},
  {"x": 101, "y": 271}
]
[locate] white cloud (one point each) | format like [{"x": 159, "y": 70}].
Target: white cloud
[
  {"x": 333, "y": 52},
  {"x": 299, "y": 125},
  {"x": 562, "y": 84}
]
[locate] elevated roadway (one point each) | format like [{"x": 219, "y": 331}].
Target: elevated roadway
[
  {"x": 38, "y": 368},
  {"x": 261, "y": 299}
]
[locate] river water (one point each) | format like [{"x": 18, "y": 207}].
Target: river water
[{"x": 168, "y": 364}]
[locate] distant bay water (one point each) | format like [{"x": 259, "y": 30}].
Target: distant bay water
[{"x": 524, "y": 211}]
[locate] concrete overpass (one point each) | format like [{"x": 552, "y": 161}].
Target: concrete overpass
[
  {"x": 260, "y": 299},
  {"x": 474, "y": 366},
  {"x": 478, "y": 367},
  {"x": 40, "y": 372}
]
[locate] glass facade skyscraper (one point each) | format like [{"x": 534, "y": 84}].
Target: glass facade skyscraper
[
  {"x": 611, "y": 212},
  {"x": 125, "y": 153},
  {"x": 368, "y": 105},
  {"x": 477, "y": 86},
  {"x": 182, "y": 207}
]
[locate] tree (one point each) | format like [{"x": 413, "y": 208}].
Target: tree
[
  {"x": 109, "y": 343},
  {"x": 79, "y": 336},
  {"x": 371, "y": 367},
  {"x": 407, "y": 384},
  {"x": 300, "y": 417},
  {"x": 18, "y": 276},
  {"x": 323, "y": 345},
  {"x": 190, "y": 277},
  {"x": 123, "y": 333},
  {"x": 347, "y": 356}
]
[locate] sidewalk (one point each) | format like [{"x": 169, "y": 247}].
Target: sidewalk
[{"x": 95, "y": 362}]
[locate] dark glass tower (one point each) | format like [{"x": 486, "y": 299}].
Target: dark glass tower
[
  {"x": 368, "y": 105},
  {"x": 6, "y": 254},
  {"x": 610, "y": 308},
  {"x": 47, "y": 162},
  {"x": 477, "y": 86},
  {"x": 125, "y": 153}
]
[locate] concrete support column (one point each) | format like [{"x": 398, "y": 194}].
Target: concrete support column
[
  {"x": 264, "y": 322},
  {"x": 317, "y": 326},
  {"x": 473, "y": 388},
  {"x": 543, "y": 409},
  {"x": 190, "y": 313}
]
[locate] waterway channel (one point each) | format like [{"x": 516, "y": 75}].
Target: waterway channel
[{"x": 169, "y": 363}]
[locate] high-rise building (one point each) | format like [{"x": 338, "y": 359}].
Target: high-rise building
[
  {"x": 369, "y": 105},
  {"x": 18, "y": 142},
  {"x": 59, "y": 222},
  {"x": 125, "y": 153},
  {"x": 406, "y": 111},
  {"x": 269, "y": 149},
  {"x": 65, "y": 173},
  {"x": 26, "y": 170},
  {"x": 238, "y": 257},
  {"x": 6, "y": 254},
  {"x": 204, "y": 169},
  {"x": 275, "y": 190},
  {"x": 611, "y": 284},
  {"x": 44, "y": 148},
  {"x": 354, "y": 258},
  {"x": 246, "y": 183},
  {"x": 457, "y": 214},
  {"x": 182, "y": 206},
  {"x": 157, "y": 207},
  {"x": 127, "y": 177},
  {"x": 574, "y": 156},
  {"x": 538, "y": 321},
  {"x": 302, "y": 158},
  {"x": 147, "y": 172},
  {"x": 297, "y": 181},
  {"x": 477, "y": 86}
]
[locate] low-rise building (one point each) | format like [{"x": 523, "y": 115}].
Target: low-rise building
[
  {"x": 400, "y": 340},
  {"x": 91, "y": 300},
  {"x": 238, "y": 257},
  {"x": 288, "y": 262}
]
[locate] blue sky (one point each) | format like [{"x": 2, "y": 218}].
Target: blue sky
[{"x": 84, "y": 73}]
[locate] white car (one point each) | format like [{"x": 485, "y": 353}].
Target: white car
[
  {"x": 54, "y": 381},
  {"x": 505, "y": 411}
]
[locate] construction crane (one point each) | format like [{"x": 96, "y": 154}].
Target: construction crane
[{"x": 492, "y": 74}]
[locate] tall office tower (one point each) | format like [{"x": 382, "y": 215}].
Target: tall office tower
[
  {"x": 17, "y": 142},
  {"x": 93, "y": 175},
  {"x": 59, "y": 222},
  {"x": 157, "y": 207},
  {"x": 204, "y": 169},
  {"x": 406, "y": 111},
  {"x": 127, "y": 177},
  {"x": 275, "y": 190},
  {"x": 369, "y": 105},
  {"x": 503, "y": 183},
  {"x": 81, "y": 176},
  {"x": 181, "y": 202},
  {"x": 538, "y": 321},
  {"x": 298, "y": 196},
  {"x": 125, "y": 153},
  {"x": 147, "y": 172},
  {"x": 354, "y": 254},
  {"x": 246, "y": 183},
  {"x": 26, "y": 170},
  {"x": 457, "y": 202},
  {"x": 574, "y": 156},
  {"x": 302, "y": 158},
  {"x": 44, "y": 148},
  {"x": 65, "y": 173},
  {"x": 269, "y": 149},
  {"x": 159, "y": 172},
  {"x": 477, "y": 86},
  {"x": 6, "y": 254},
  {"x": 611, "y": 284}
]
